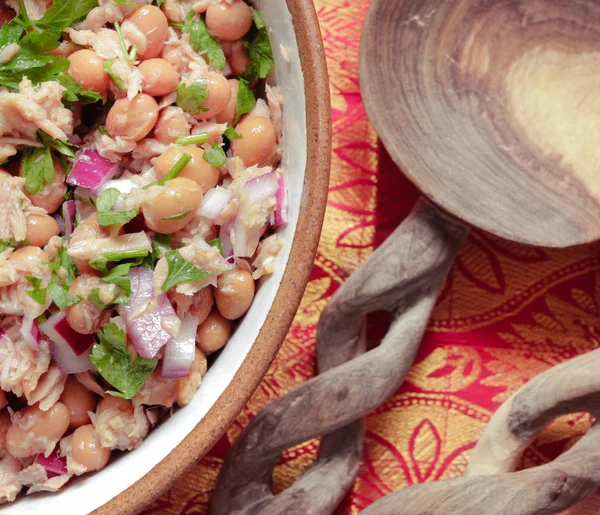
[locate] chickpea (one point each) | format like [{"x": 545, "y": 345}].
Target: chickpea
[
  {"x": 198, "y": 170},
  {"x": 31, "y": 254},
  {"x": 40, "y": 228},
  {"x": 219, "y": 95},
  {"x": 132, "y": 119},
  {"x": 4, "y": 425},
  {"x": 34, "y": 431},
  {"x": 85, "y": 317},
  {"x": 258, "y": 143},
  {"x": 153, "y": 23},
  {"x": 87, "y": 68},
  {"x": 229, "y": 21},
  {"x": 214, "y": 332},
  {"x": 238, "y": 60},
  {"x": 53, "y": 195},
  {"x": 160, "y": 78},
  {"x": 171, "y": 125},
  {"x": 88, "y": 229},
  {"x": 3, "y": 399},
  {"x": 173, "y": 55},
  {"x": 227, "y": 115},
  {"x": 178, "y": 196},
  {"x": 78, "y": 400},
  {"x": 234, "y": 293},
  {"x": 88, "y": 450}
]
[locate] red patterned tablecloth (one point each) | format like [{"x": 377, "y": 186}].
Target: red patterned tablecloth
[{"x": 506, "y": 313}]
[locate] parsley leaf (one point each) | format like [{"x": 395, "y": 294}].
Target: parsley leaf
[
  {"x": 94, "y": 298},
  {"x": 64, "y": 13},
  {"x": 126, "y": 254},
  {"x": 119, "y": 276},
  {"x": 106, "y": 218},
  {"x": 63, "y": 147},
  {"x": 107, "y": 199},
  {"x": 37, "y": 168},
  {"x": 108, "y": 65},
  {"x": 61, "y": 296},
  {"x": 191, "y": 98},
  {"x": 100, "y": 265},
  {"x": 246, "y": 101},
  {"x": 203, "y": 43},
  {"x": 230, "y": 133},
  {"x": 181, "y": 271},
  {"x": 38, "y": 295},
  {"x": 113, "y": 362},
  {"x": 215, "y": 156},
  {"x": 217, "y": 243},
  {"x": 130, "y": 55},
  {"x": 177, "y": 217},
  {"x": 259, "y": 52},
  {"x": 9, "y": 34},
  {"x": 161, "y": 243},
  {"x": 259, "y": 23},
  {"x": 63, "y": 260},
  {"x": 34, "y": 281}
]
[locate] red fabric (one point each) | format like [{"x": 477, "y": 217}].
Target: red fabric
[{"x": 506, "y": 313}]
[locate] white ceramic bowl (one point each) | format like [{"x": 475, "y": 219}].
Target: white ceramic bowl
[{"x": 135, "y": 478}]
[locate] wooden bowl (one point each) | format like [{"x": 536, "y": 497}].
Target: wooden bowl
[{"x": 137, "y": 478}]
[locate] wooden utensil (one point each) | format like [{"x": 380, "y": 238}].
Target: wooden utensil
[{"x": 492, "y": 108}]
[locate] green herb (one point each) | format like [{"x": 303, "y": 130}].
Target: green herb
[
  {"x": 215, "y": 156},
  {"x": 130, "y": 56},
  {"x": 4, "y": 244},
  {"x": 41, "y": 319},
  {"x": 126, "y": 254},
  {"x": 191, "y": 98},
  {"x": 258, "y": 48},
  {"x": 181, "y": 271},
  {"x": 38, "y": 295},
  {"x": 63, "y": 147},
  {"x": 230, "y": 133},
  {"x": 198, "y": 139},
  {"x": 124, "y": 3},
  {"x": 217, "y": 243},
  {"x": 61, "y": 296},
  {"x": 178, "y": 167},
  {"x": 34, "y": 281},
  {"x": 203, "y": 43},
  {"x": 37, "y": 168},
  {"x": 119, "y": 276},
  {"x": 100, "y": 265},
  {"x": 246, "y": 101},
  {"x": 161, "y": 243},
  {"x": 10, "y": 33},
  {"x": 113, "y": 362},
  {"x": 64, "y": 13},
  {"x": 107, "y": 199},
  {"x": 102, "y": 130},
  {"x": 178, "y": 26},
  {"x": 177, "y": 217},
  {"x": 94, "y": 298},
  {"x": 23, "y": 16},
  {"x": 75, "y": 92},
  {"x": 259, "y": 23},
  {"x": 108, "y": 66},
  {"x": 62, "y": 260},
  {"x": 106, "y": 218},
  {"x": 160, "y": 3}
]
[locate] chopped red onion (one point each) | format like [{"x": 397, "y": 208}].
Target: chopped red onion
[
  {"x": 70, "y": 350},
  {"x": 54, "y": 464},
  {"x": 281, "y": 214},
  {"x": 146, "y": 314},
  {"x": 214, "y": 202},
  {"x": 224, "y": 236},
  {"x": 69, "y": 210},
  {"x": 179, "y": 352},
  {"x": 91, "y": 170},
  {"x": 61, "y": 224},
  {"x": 30, "y": 332},
  {"x": 262, "y": 188}
]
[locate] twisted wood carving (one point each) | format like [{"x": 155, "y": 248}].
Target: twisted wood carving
[{"x": 403, "y": 277}]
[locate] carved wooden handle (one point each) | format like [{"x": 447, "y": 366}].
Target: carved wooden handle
[
  {"x": 403, "y": 276},
  {"x": 492, "y": 488}
]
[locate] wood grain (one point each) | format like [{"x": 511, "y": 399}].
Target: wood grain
[
  {"x": 492, "y": 108},
  {"x": 403, "y": 276}
]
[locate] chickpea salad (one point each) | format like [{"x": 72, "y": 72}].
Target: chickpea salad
[{"x": 140, "y": 192}]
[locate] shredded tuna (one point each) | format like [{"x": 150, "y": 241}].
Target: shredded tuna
[
  {"x": 149, "y": 148},
  {"x": 123, "y": 430},
  {"x": 112, "y": 149},
  {"x": 21, "y": 366},
  {"x": 96, "y": 248},
  {"x": 74, "y": 468},
  {"x": 213, "y": 131},
  {"x": 49, "y": 388},
  {"x": 33, "y": 108},
  {"x": 13, "y": 224},
  {"x": 128, "y": 76},
  {"x": 267, "y": 252},
  {"x": 35, "y": 8},
  {"x": 275, "y": 106},
  {"x": 8, "y": 52},
  {"x": 88, "y": 380},
  {"x": 261, "y": 109},
  {"x": 105, "y": 42},
  {"x": 10, "y": 486},
  {"x": 99, "y": 16}
]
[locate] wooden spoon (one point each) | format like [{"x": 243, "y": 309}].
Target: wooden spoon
[{"x": 492, "y": 108}]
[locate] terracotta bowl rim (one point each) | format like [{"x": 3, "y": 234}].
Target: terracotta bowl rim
[{"x": 296, "y": 276}]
